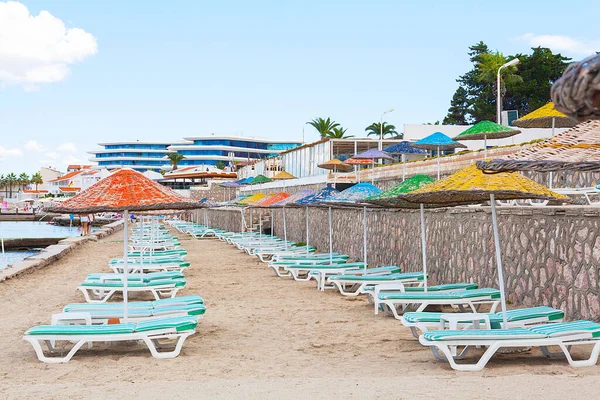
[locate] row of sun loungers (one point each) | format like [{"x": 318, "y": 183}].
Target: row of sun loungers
[
  {"x": 402, "y": 295},
  {"x": 155, "y": 265}
]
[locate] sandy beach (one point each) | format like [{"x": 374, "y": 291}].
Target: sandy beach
[{"x": 262, "y": 337}]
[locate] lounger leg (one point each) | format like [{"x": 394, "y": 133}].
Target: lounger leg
[
  {"x": 447, "y": 353},
  {"x": 37, "y": 347},
  {"x": 167, "y": 354},
  {"x": 582, "y": 363}
]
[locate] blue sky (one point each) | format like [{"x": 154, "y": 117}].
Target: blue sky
[{"x": 165, "y": 70}]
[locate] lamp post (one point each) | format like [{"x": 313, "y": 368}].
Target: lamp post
[
  {"x": 381, "y": 127},
  {"x": 512, "y": 62}
]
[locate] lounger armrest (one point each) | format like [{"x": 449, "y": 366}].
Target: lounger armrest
[
  {"x": 388, "y": 286},
  {"x": 58, "y": 319}
]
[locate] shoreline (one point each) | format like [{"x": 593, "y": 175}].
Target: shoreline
[{"x": 56, "y": 251}]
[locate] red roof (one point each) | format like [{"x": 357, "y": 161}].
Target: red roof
[
  {"x": 77, "y": 166},
  {"x": 66, "y": 177},
  {"x": 33, "y": 191},
  {"x": 69, "y": 189}
]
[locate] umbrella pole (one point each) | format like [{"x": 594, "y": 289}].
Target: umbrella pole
[
  {"x": 284, "y": 229},
  {"x": 142, "y": 248},
  {"x": 242, "y": 220},
  {"x": 4, "y": 262},
  {"x": 403, "y": 167},
  {"x": 330, "y": 239},
  {"x": 125, "y": 262},
  {"x": 365, "y": 237},
  {"x": 498, "y": 259},
  {"x": 272, "y": 216},
  {"x": 251, "y": 229},
  {"x": 260, "y": 222},
  {"x": 424, "y": 245},
  {"x": 306, "y": 208},
  {"x": 484, "y": 147},
  {"x": 372, "y": 171},
  {"x": 438, "y": 160},
  {"x": 551, "y": 176}
]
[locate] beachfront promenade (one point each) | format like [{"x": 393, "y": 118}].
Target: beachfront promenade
[{"x": 262, "y": 337}]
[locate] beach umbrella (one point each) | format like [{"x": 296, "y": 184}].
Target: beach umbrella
[
  {"x": 252, "y": 199},
  {"x": 486, "y": 130},
  {"x": 356, "y": 161},
  {"x": 336, "y": 165},
  {"x": 283, "y": 175},
  {"x": 389, "y": 198},
  {"x": 437, "y": 141},
  {"x": 229, "y": 185},
  {"x": 403, "y": 148},
  {"x": 577, "y": 91},
  {"x": 355, "y": 193},
  {"x": 372, "y": 154},
  {"x": 576, "y": 149},
  {"x": 471, "y": 185},
  {"x": 124, "y": 191}
]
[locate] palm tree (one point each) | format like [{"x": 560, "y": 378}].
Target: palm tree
[
  {"x": 175, "y": 158},
  {"x": 3, "y": 183},
  {"x": 324, "y": 126},
  {"x": 338, "y": 133},
  {"x": 11, "y": 180},
  {"x": 36, "y": 179},
  {"x": 488, "y": 70},
  {"x": 23, "y": 181},
  {"x": 388, "y": 129}
]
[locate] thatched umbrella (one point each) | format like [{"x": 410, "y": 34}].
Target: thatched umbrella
[
  {"x": 471, "y": 185},
  {"x": 373, "y": 154},
  {"x": 486, "y": 130},
  {"x": 123, "y": 191},
  {"x": 389, "y": 198},
  {"x": 357, "y": 161},
  {"x": 577, "y": 92},
  {"x": 437, "y": 141},
  {"x": 403, "y": 148},
  {"x": 545, "y": 117},
  {"x": 336, "y": 165},
  {"x": 283, "y": 175}
]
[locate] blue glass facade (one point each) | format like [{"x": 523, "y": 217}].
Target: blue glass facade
[{"x": 137, "y": 146}]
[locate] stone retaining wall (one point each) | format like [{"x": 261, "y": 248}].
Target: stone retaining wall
[
  {"x": 55, "y": 252},
  {"x": 551, "y": 255}
]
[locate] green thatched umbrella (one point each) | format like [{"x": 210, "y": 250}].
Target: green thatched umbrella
[
  {"x": 389, "y": 198},
  {"x": 487, "y": 130}
]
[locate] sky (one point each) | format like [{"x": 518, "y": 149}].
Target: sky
[{"x": 74, "y": 73}]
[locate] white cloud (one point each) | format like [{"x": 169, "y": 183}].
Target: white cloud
[
  {"x": 32, "y": 145},
  {"x": 38, "y": 49},
  {"x": 68, "y": 147},
  {"x": 560, "y": 43},
  {"x": 52, "y": 155},
  {"x": 72, "y": 160},
  {"x": 5, "y": 152}
]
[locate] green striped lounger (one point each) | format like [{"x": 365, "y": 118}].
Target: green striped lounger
[
  {"x": 471, "y": 299},
  {"x": 281, "y": 267},
  {"x": 354, "y": 285},
  {"x": 135, "y": 266},
  {"x": 519, "y": 318},
  {"x": 153, "y": 333},
  {"x": 98, "y": 289},
  {"x": 171, "y": 302},
  {"x": 565, "y": 335},
  {"x": 101, "y": 316}
]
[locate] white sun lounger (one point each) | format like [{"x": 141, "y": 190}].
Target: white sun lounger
[
  {"x": 102, "y": 288},
  {"x": 565, "y": 335},
  {"x": 518, "y": 318},
  {"x": 152, "y": 333},
  {"x": 353, "y": 285},
  {"x": 471, "y": 299}
]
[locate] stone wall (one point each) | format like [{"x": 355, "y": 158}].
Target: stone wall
[{"x": 551, "y": 255}]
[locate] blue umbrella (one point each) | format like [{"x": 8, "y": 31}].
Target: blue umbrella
[
  {"x": 358, "y": 192},
  {"x": 437, "y": 141}
]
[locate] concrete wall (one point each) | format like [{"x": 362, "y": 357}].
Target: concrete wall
[{"x": 551, "y": 255}]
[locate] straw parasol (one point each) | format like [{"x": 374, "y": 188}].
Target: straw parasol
[
  {"x": 575, "y": 149},
  {"x": 258, "y": 179},
  {"x": 389, "y": 198},
  {"x": 545, "y": 117},
  {"x": 356, "y": 161},
  {"x": 336, "y": 165},
  {"x": 403, "y": 148},
  {"x": 271, "y": 199},
  {"x": 437, "y": 141},
  {"x": 487, "y": 130},
  {"x": 283, "y": 175},
  {"x": 372, "y": 154},
  {"x": 124, "y": 190},
  {"x": 577, "y": 92},
  {"x": 471, "y": 185},
  {"x": 355, "y": 193},
  {"x": 252, "y": 199}
]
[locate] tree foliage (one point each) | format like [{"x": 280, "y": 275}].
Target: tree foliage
[
  {"x": 174, "y": 159},
  {"x": 377, "y": 128},
  {"x": 525, "y": 86},
  {"x": 325, "y": 127},
  {"x": 338, "y": 133}
]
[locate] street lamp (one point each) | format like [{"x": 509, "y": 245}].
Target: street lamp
[
  {"x": 389, "y": 110},
  {"x": 512, "y": 62}
]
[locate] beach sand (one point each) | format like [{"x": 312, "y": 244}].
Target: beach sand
[{"x": 262, "y": 337}]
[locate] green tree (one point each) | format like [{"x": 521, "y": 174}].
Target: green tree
[
  {"x": 338, "y": 133},
  {"x": 221, "y": 165},
  {"x": 23, "y": 181},
  {"x": 459, "y": 108},
  {"x": 376, "y": 129},
  {"x": 488, "y": 67},
  {"x": 174, "y": 159},
  {"x": 323, "y": 126},
  {"x": 3, "y": 183},
  {"x": 36, "y": 179},
  {"x": 11, "y": 181}
]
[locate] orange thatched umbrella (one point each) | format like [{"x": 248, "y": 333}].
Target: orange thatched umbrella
[{"x": 125, "y": 190}]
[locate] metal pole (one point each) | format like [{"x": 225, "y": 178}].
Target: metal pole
[
  {"x": 438, "y": 159},
  {"x": 330, "y": 239},
  {"x": 365, "y": 237},
  {"x": 551, "y": 176},
  {"x": 260, "y": 222},
  {"x": 498, "y": 98},
  {"x": 372, "y": 171},
  {"x": 272, "y": 217},
  {"x": 424, "y": 245},
  {"x": 284, "y": 229},
  {"x": 4, "y": 254},
  {"x": 306, "y": 208},
  {"x": 498, "y": 259},
  {"x": 484, "y": 147},
  {"x": 251, "y": 229},
  {"x": 403, "y": 157},
  {"x": 125, "y": 260}
]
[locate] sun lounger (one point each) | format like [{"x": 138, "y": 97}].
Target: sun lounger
[
  {"x": 518, "y": 318},
  {"x": 152, "y": 333},
  {"x": 135, "y": 267},
  {"x": 471, "y": 299},
  {"x": 281, "y": 267},
  {"x": 102, "y": 316},
  {"x": 565, "y": 335},
  {"x": 171, "y": 302},
  {"x": 101, "y": 288},
  {"x": 354, "y": 285},
  {"x": 300, "y": 272}
]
